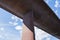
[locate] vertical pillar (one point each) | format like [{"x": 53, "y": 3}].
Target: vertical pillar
[{"x": 28, "y": 20}]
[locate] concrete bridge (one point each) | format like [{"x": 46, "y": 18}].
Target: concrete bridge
[{"x": 44, "y": 17}]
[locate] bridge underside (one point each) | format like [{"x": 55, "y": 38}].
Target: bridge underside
[{"x": 44, "y": 17}]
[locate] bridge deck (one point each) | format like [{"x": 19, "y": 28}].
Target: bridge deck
[{"x": 45, "y": 18}]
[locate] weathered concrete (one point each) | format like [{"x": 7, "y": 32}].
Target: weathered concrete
[{"x": 44, "y": 17}]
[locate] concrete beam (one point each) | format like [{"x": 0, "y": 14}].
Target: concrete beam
[{"x": 44, "y": 17}]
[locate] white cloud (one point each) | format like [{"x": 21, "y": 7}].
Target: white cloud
[
  {"x": 13, "y": 17},
  {"x": 15, "y": 20},
  {"x": 13, "y": 23},
  {"x": 48, "y": 38},
  {"x": 21, "y": 20},
  {"x": 18, "y": 27},
  {"x": 2, "y": 29},
  {"x": 57, "y": 4},
  {"x": 56, "y": 12},
  {"x": 47, "y": 1},
  {"x": 10, "y": 23},
  {"x": 39, "y": 34}
]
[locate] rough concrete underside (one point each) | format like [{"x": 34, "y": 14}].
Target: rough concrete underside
[{"x": 44, "y": 17}]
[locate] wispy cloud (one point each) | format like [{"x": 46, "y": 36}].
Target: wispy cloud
[
  {"x": 48, "y": 38},
  {"x": 56, "y": 12},
  {"x": 47, "y": 1},
  {"x": 8, "y": 25},
  {"x": 41, "y": 34},
  {"x": 18, "y": 28},
  {"x": 1, "y": 29},
  {"x": 57, "y": 4},
  {"x": 13, "y": 23},
  {"x": 15, "y": 20}
]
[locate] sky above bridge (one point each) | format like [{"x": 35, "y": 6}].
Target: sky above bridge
[
  {"x": 55, "y": 6},
  {"x": 11, "y": 25}
]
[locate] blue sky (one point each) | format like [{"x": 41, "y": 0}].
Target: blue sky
[
  {"x": 11, "y": 25},
  {"x": 55, "y": 6}
]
